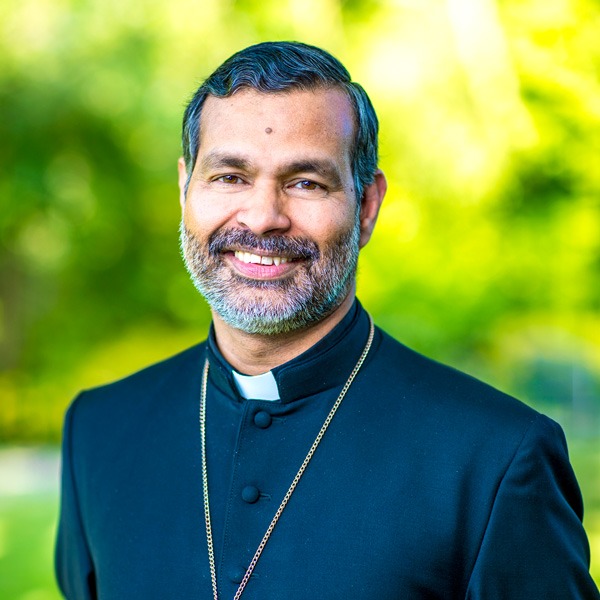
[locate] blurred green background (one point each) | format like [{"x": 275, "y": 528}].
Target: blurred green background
[{"x": 486, "y": 256}]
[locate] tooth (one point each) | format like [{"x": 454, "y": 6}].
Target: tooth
[
  {"x": 276, "y": 261},
  {"x": 283, "y": 260},
  {"x": 255, "y": 259},
  {"x": 238, "y": 254},
  {"x": 247, "y": 257},
  {"x": 266, "y": 260}
]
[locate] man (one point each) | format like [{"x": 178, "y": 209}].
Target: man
[{"x": 301, "y": 453}]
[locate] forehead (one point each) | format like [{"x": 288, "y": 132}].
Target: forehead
[{"x": 323, "y": 117}]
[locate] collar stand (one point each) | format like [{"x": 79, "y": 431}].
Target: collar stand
[{"x": 322, "y": 367}]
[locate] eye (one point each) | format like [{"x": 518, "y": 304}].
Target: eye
[
  {"x": 307, "y": 184},
  {"x": 230, "y": 179}
]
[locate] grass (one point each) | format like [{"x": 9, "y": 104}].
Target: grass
[{"x": 27, "y": 531}]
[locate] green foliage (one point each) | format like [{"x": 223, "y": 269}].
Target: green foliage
[{"x": 488, "y": 248}]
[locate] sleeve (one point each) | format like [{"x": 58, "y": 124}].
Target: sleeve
[
  {"x": 534, "y": 546},
  {"x": 73, "y": 562}
]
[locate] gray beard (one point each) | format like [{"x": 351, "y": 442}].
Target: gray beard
[{"x": 313, "y": 291}]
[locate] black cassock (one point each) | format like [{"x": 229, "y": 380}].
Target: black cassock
[{"x": 428, "y": 484}]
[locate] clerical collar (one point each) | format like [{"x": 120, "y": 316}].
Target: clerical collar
[
  {"x": 256, "y": 387},
  {"x": 323, "y": 366}
]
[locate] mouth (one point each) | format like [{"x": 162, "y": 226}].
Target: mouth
[
  {"x": 262, "y": 258},
  {"x": 265, "y": 266},
  {"x": 250, "y": 258}
]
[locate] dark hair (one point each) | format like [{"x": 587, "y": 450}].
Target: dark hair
[{"x": 281, "y": 66}]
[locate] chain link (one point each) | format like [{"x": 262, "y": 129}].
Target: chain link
[
  {"x": 209, "y": 537},
  {"x": 286, "y": 498}
]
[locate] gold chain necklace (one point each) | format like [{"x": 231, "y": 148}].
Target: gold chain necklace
[{"x": 263, "y": 543}]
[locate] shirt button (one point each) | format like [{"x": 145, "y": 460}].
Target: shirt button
[
  {"x": 250, "y": 494},
  {"x": 262, "y": 419},
  {"x": 237, "y": 574}
]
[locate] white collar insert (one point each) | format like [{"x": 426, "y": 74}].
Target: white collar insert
[{"x": 257, "y": 387}]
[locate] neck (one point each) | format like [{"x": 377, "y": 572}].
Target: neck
[{"x": 253, "y": 354}]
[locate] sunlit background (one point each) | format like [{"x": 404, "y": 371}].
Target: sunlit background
[{"x": 486, "y": 256}]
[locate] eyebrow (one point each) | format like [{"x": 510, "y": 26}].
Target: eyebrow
[
  {"x": 322, "y": 167},
  {"x": 220, "y": 159}
]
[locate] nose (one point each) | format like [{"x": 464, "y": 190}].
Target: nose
[{"x": 265, "y": 211}]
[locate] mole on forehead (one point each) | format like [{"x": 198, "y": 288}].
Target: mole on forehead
[{"x": 268, "y": 130}]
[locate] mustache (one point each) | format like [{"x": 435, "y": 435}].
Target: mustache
[{"x": 293, "y": 247}]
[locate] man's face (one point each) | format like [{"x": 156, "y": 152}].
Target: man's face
[{"x": 270, "y": 230}]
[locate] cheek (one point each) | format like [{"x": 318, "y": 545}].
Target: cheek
[
  {"x": 200, "y": 214},
  {"x": 328, "y": 223}
]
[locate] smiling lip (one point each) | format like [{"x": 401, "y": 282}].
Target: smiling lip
[{"x": 261, "y": 266}]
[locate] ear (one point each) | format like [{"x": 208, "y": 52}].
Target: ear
[
  {"x": 182, "y": 181},
  {"x": 371, "y": 202}
]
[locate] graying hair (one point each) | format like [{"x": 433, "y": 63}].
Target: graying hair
[{"x": 278, "y": 67}]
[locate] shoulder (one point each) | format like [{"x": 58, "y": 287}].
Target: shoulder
[
  {"x": 451, "y": 409},
  {"x": 458, "y": 429},
  {"x": 444, "y": 386},
  {"x": 132, "y": 392}
]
